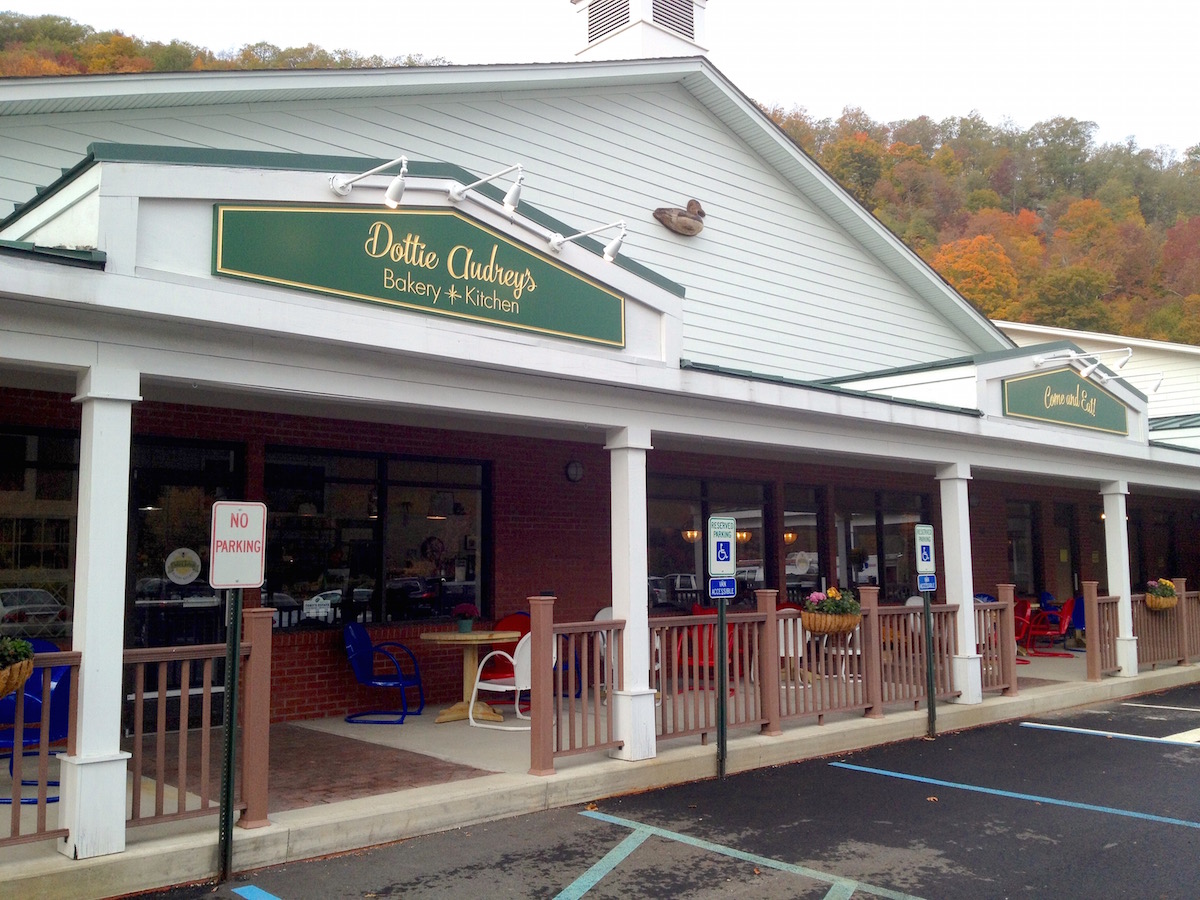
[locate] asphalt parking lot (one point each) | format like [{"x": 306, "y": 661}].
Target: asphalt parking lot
[{"x": 1095, "y": 802}]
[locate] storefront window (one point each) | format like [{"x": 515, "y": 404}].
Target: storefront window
[
  {"x": 38, "y": 485},
  {"x": 173, "y": 487},
  {"x": 876, "y": 540},
  {"x": 1020, "y": 547},
  {"x": 370, "y": 538},
  {"x": 802, "y": 542},
  {"x": 677, "y": 514}
]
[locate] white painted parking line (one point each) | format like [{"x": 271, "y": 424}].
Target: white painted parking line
[
  {"x": 1188, "y": 709},
  {"x": 1108, "y": 734},
  {"x": 840, "y": 888},
  {"x": 1186, "y": 737}
]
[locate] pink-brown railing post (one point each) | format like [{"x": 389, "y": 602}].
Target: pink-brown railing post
[
  {"x": 1092, "y": 630},
  {"x": 1181, "y": 619},
  {"x": 1006, "y": 593},
  {"x": 872, "y": 665},
  {"x": 541, "y": 711},
  {"x": 768, "y": 663},
  {"x": 256, "y": 717}
]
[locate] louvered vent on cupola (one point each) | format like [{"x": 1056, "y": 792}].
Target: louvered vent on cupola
[{"x": 625, "y": 29}]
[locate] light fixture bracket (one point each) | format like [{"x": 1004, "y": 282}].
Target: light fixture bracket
[
  {"x": 556, "y": 240},
  {"x": 343, "y": 184}
]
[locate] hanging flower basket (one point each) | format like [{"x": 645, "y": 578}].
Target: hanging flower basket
[
  {"x": 829, "y": 623},
  {"x": 1161, "y": 594},
  {"x": 15, "y": 676}
]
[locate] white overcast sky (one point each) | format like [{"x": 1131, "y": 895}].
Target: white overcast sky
[{"x": 1130, "y": 68}]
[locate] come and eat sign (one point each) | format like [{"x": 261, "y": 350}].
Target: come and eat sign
[{"x": 237, "y": 552}]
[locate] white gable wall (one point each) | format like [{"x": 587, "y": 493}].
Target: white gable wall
[{"x": 773, "y": 285}]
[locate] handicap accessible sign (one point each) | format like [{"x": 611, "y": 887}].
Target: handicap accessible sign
[{"x": 722, "y": 541}]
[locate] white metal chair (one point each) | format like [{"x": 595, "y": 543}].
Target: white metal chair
[{"x": 521, "y": 681}]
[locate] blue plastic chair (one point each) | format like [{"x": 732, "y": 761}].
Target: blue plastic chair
[
  {"x": 31, "y": 735},
  {"x": 406, "y": 676}
]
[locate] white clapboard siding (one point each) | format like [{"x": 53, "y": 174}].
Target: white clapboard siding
[{"x": 774, "y": 286}]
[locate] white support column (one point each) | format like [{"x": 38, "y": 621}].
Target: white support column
[
  {"x": 960, "y": 580},
  {"x": 92, "y": 807},
  {"x": 1116, "y": 549},
  {"x": 634, "y": 706}
]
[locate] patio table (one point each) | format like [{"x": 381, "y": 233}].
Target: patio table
[{"x": 468, "y": 642}]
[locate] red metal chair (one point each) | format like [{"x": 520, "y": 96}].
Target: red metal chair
[
  {"x": 1021, "y": 618},
  {"x": 1052, "y": 625},
  {"x": 500, "y": 666}
]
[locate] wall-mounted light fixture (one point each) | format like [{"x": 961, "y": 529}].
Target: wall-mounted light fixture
[
  {"x": 574, "y": 471},
  {"x": 458, "y": 192},
  {"x": 341, "y": 184},
  {"x": 789, "y": 537},
  {"x": 1066, "y": 356},
  {"x": 1105, "y": 378},
  {"x": 611, "y": 248},
  {"x": 691, "y": 535},
  {"x": 743, "y": 537}
]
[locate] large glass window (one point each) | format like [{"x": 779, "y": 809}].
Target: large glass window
[
  {"x": 804, "y": 566},
  {"x": 876, "y": 540},
  {"x": 38, "y": 486},
  {"x": 371, "y": 537},
  {"x": 677, "y": 515},
  {"x": 1021, "y": 542},
  {"x": 173, "y": 487}
]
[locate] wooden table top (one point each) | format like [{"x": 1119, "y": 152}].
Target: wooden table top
[{"x": 471, "y": 637}]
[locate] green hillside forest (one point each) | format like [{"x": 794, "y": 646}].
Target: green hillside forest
[{"x": 1038, "y": 225}]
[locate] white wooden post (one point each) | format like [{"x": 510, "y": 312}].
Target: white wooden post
[
  {"x": 634, "y": 706},
  {"x": 960, "y": 589},
  {"x": 92, "y": 805},
  {"x": 1116, "y": 550}
]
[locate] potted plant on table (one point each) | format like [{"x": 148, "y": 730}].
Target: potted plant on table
[
  {"x": 832, "y": 611},
  {"x": 16, "y": 664},
  {"x": 1161, "y": 594},
  {"x": 466, "y": 614}
]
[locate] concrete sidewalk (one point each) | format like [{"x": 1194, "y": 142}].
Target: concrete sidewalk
[{"x": 158, "y": 856}]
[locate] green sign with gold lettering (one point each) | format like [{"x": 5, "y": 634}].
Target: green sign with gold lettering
[
  {"x": 1064, "y": 397},
  {"x": 434, "y": 261}
]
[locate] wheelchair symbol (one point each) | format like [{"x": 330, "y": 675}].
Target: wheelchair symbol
[
  {"x": 926, "y": 553},
  {"x": 722, "y": 551}
]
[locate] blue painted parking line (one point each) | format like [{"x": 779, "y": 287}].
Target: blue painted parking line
[
  {"x": 839, "y": 888},
  {"x": 1175, "y": 741},
  {"x": 250, "y": 892},
  {"x": 1012, "y": 795}
]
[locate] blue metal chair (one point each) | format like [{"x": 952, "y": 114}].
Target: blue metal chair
[
  {"x": 57, "y": 725},
  {"x": 406, "y": 676}
]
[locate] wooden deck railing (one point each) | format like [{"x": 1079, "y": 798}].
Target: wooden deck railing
[
  {"x": 33, "y": 788},
  {"x": 173, "y": 726},
  {"x": 1165, "y": 635},
  {"x": 996, "y": 642}
]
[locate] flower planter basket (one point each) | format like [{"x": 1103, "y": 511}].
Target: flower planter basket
[
  {"x": 15, "y": 676},
  {"x": 1154, "y": 601},
  {"x": 829, "y": 623}
]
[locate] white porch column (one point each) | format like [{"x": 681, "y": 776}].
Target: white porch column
[
  {"x": 1116, "y": 549},
  {"x": 92, "y": 807},
  {"x": 634, "y": 706},
  {"x": 960, "y": 580}
]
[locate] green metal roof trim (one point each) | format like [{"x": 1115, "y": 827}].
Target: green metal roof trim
[
  {"x": 91, "y": 259},
  {"x": 827, "y": 388},
  {"x": 1175, "y": 423},
  {"x": 974, "y": 359},
  {"x": 300, "y": 162}
]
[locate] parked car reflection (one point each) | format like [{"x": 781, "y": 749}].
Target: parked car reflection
[
  {"x": 412, "y": 597},
  {"x": 33, "y": 612}
]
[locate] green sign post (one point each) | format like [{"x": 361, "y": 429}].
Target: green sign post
[{"x": 431, "y": 260}]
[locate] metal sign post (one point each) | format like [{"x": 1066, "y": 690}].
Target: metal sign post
[
  {"x": 722, "y": 566},
  {"x": 927, "y": 582},
  {"x": 236, "y": 559}
]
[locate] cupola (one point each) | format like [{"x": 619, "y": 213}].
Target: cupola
[{"x": 642, "y": 29}]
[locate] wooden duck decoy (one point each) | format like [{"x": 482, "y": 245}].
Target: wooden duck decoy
[{"x": 682, "y": 221}]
